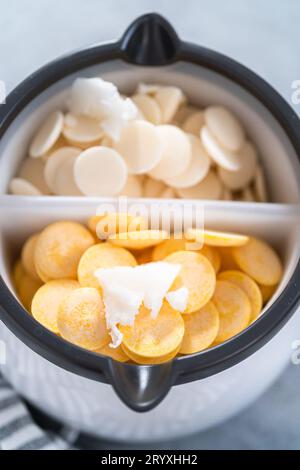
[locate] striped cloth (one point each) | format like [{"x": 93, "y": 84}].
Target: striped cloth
[{"x": 18, "y": 430}]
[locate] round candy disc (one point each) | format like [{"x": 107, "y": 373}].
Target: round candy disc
[
  {"x": 249, "y": 286},
  {"x": 223, "y": 157},
  {"x": 81, "y": 319},
  {"x": 47, "y": 135},
  {"x": 138, "y": 240},
  {"x": 140, "y": 145},
  {"x": 47, "y": 300},
  {"x": 176, "y": 153},
  {"x": 100, "y": 171},
  {"x": 59, "y": 249},
  {"x": 197, "y": 169},
  {"x": 236, "y": 180},
  {"x": 197, "y": 275},
  {"x": 154, "y": 338},
  {"x": 200, "y": 330},
  {"x": 102, "y": 255},
  {"x": 149, "y": 108},
  {"x": 21, "y": 187},
  {"x": 27, "y": 256},
  {"x": 225, "y": 127},
  {"x": 209, "y": 188},
  {"x": 260, "y": 261},
  {"x": 234, "y": 309}
]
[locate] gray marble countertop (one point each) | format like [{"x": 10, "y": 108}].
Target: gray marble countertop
[{"x": 262, "y": 35}]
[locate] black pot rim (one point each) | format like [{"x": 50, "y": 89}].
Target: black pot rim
[{"x": 185, "y": 368}]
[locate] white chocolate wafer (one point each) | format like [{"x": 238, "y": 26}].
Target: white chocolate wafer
[
  {"x": 176, "y": 154},
  {"x": 236, "y": 180},
  {"x": 193, "y": 123},
  {"x": 47, "y": 135},
  {"x": 133, "y": 187},
  {"x": 225, "y": 127},
  {"x": 148, "y": 107},
  {"x": 153, "y": 188},
  {"x": 64, "y": 184},
  {"x": 81, "y": 129},
  {"x": 260, "y": 185},
  {"x": 168, "y": 98},
  {"x": 21, "y": 187},
  {"x": 140, "y": 146},
  {"x": 221, "y": 156},
  {"x": 209, "y": 188},
  {"x": 32, "y": 170},
  {"x": 55, "y": 162},
  {"x": 197, "y": 169},
  {"x": 100, "y": 171}
]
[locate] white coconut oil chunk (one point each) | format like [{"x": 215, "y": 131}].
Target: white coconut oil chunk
[
  {"x": 176, "y": 153},
  {"x": 140, "y": 146},
  {"x": 225, "y": 127},
  {"x": 224, "y": 158},
  {"x": 21, "y": 187},
  {"x": 125, "y": 288},
  {"x": 100, "y": 171},
  {"x": 47, "y": 135},
  {"x": 236, "y": 180},
  {"x": 197, "y": 169},
  {"x": 101, "y": 100}
]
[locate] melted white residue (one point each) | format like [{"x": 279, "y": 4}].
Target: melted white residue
[
  {"x": 99, "y": 99},
  {"x": 125, "y": 288}
]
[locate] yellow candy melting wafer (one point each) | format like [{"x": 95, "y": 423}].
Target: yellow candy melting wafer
[
  {"x": 168, "y": 247},
  {"x": 172, "y": 245},
  {"x": 115, "y": 353},
  {"x": 227, "y": 260},
  {"x": 197, "y": 275},
  {"x": 143, "y": 256},
  {"x": 101, "y": 255},
  {"x": 59, "y": 249},
  {"x": 249, "y": 286},
  {"x": 115, "y": 223},
  {"x": 214, "y": 238},
  {"x": 27, "y": 289},
  {"x": 81, "y": 319},
  {"x": 138, "y": 240},
  {"x": 260, "y": 261},
  {"x": 18, "y": 273},
  {"x": 27, "y": 256},
  {"x": 234, "y": 309},
  {"x": 201, "y": 328},
  {"x": 47, "y": 300},
  {"x": 145, "y": 361},
  {"x": 267, "y": 292},
  {"x": 153, "y": 339}
]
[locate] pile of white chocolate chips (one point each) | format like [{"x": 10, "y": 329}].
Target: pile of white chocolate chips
[{"x": 153, "y": 144}]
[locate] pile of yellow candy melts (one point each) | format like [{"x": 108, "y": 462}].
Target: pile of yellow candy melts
[{"x": 228, "y": 280}]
